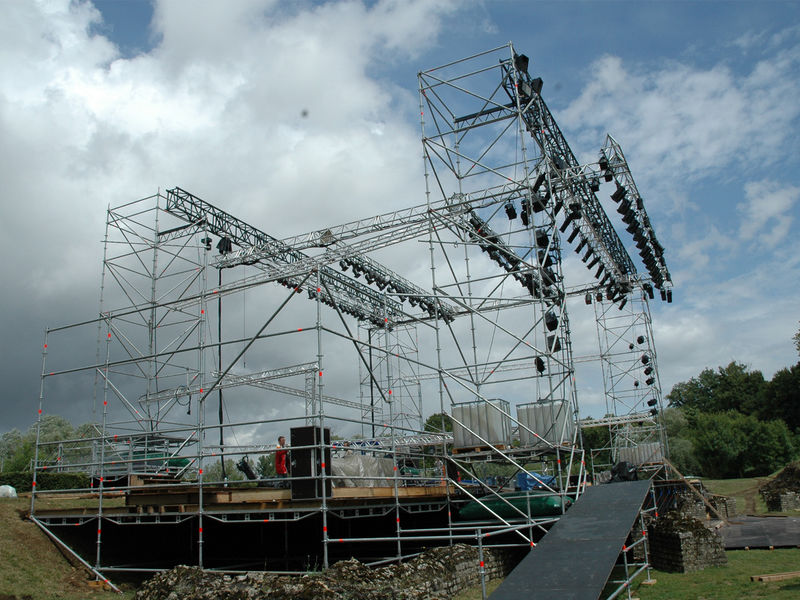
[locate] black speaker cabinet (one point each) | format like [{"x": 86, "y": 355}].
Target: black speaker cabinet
[{"x": 308, "y": 463}]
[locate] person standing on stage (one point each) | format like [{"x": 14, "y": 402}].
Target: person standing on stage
[{"x": 280, "y": 459}]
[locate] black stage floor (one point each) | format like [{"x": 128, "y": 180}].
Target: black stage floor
[{"x": 761, "y": 532}]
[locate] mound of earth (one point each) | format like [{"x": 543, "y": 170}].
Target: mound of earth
[{"x": 788, "y": 480}]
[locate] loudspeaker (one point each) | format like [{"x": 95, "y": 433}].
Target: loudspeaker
[{"x": 308, "y": 463}]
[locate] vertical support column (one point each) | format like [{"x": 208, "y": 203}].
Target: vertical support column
[
  {"x": 103, "y": 439},
  {"x": 321, "y": 420},
  {"x": 39, "y": 421}
]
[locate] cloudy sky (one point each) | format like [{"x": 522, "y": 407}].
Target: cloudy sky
[{"x": 294, "y": 115}]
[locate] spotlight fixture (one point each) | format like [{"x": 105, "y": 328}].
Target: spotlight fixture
[
  {"x": 650, "y": 380},
  {"x": 207, "y": 242},
  {"x": 550, "y": 320},
  {"x": 599, "y": 296},
  {"x": 663, "y": 295},
  {"x": 594, "y": 184},
  {"x": 225, "y": 246},
  {"x": 553, "y": 343},
  {"x": 573, "y": 235},
  {"x": 669, "y": 296},
  {"x": 652, "y": 402},
  {"x": 630, "y": 346},
  {"x": 603, "y": 164},
  {"x": 654, "y": 411},
  {"x": 521, "y": 63},
  {"x": 542, "y": 239},
  {"x": 524, "y": 216},
  {"x": 539, "y": 364},
  {"x": 623, "y": 303},
  {"x": 648, "y": 370},
  {"x": 619, "y": 193},
  {"x": 645, "y": 359},
  {"x": 636, "y": 383},
  {"x": 538, "y": 183},
  {"x": 511, "y": 211},
  {"x": 599, "y": 271},
  {"x": 640, "y": 339},
  {"x": 588, "y": 298}
]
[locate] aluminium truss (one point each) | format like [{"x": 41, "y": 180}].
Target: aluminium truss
[{"x": 466, "y": 315}]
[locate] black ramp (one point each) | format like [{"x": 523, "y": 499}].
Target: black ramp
[{"x": 575, "y": 558}]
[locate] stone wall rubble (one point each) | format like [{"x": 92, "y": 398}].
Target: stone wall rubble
[{"x": 436, "y": 574}]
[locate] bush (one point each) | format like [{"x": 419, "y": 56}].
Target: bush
[{"x": 21, "y": 481}]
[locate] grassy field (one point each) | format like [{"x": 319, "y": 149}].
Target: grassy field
[
  {"x": 32, "y": 566},
  {"x": 729, "y": 582}
]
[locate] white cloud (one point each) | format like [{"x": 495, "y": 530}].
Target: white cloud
[
  {"x": 767, "y": 202},
  {"x": 691, "y": 122}
]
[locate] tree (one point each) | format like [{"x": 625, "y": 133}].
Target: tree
[
  {"x": 796, "y": 339},
  {"x": 781, "y": 397},
  {"x": 729, "y": 388},
  {"x": 213, "y": 472},
  {"x": 265, "y": 465},
  {"x": 731, "y": 444},
  {"x": 438, "y": 422}
]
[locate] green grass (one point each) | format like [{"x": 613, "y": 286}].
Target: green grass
[
  {"x": 730, "y": 582},
  {"x": 31, "y": 565},
  {"x": 748, "y": 500}
]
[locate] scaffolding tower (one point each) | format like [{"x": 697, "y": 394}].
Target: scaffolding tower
[{"x": 353, "y": 351}]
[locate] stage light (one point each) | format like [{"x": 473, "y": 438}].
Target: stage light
[
  {"x": 669, "y": 296},
  {"x": 539, "y": 365},
  {"x": 603, "y": 164},
  {"x": 539, "y": 181},
  {"x": 648, "y": 370},
  {"x": 645, "y": 359},
  {"x": 635, "y": 384},
  {"x": 594, "y": 184},
  {"x": 588, "y": 298},
  {"x": 640, "y": 339},
  {"x": 623, "y": 303},
  {"x": 558, "y": 206},
  {"x": 589, "y": 252},
  {"x": 524, "y": 216},
  {"x": 225, "y": 246},
  {"x": 599, "y": 297},
  {"x": 580, "y": 245},
  {"x": 619, "y": 194},
  {"x": 553, "y": 343},
  {"x": 570, "y": 218},
  {"x": 511, "y": 212},
  {"x": 343, "y": 265},
  {"x": 550, "y": 321},
  {"x": 521, "y": 63},
  {"x": 573, "y": 235},
  {"x": 663, "y": 295},
  {"x": 652, "y": 402},
  {"x": 599, "y": 271},
  {"x": 650, "y": 380},
  {"x": 542, "y": 239},
  {"x": 608, "y": 175},
  {"x": 630, "y": 346},
  {"x": 593, "y": 262},
  {"x": 207, "y": 242},
  {"x": 537, "y": 84},
  {"x": 653, "y": 411}
]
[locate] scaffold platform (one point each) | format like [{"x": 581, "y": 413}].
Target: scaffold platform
[{"x": 574, "y": 560}]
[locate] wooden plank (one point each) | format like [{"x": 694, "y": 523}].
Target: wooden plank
[{"x": 775, "y": 576}]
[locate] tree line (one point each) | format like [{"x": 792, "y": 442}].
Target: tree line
[{"x": 732, "y": 422}]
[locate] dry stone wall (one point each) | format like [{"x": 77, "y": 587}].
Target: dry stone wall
[
  {"x": 683, "y": 544},
  {"x": 437, "y": 574}
]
